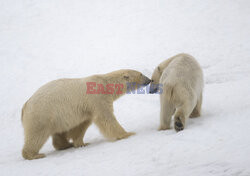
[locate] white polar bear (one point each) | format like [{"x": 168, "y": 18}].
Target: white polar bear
[
  {"x": 182, "y": 80},
  {"x": 65, "y": 108}
]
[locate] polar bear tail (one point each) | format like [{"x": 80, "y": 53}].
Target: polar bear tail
[
  {"x": 22, "y": 115},
  {"x": 22, "y": 112}
]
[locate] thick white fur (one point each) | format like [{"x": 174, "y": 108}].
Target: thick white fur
[
  {"x": 63, "y": 110},
  {"x": 182, "y": 80}
]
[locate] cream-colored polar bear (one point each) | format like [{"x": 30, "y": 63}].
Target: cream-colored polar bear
[
  {"x": 65, "y": 108},
  {"x": 181, "y": 79}
]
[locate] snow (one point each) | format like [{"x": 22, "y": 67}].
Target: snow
[{"x": 45, "y": 40}]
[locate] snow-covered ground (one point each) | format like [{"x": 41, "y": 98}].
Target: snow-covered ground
[{"x": 44, "y": 40}]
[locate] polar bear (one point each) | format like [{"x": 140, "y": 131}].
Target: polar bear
[
  {"x": 65, "y": 108},
  {"x": 182, "y": 84}
]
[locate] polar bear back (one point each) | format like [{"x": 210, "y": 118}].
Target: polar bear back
[
  {"x": 56, "y": 102},
  {"x": 183, "y": 71}
]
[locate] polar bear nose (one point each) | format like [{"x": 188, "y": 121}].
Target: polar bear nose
[
  {"x": 153, "y": 88},
  {"x": 153, "y": 91}
]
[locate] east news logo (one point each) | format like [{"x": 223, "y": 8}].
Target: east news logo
[{"x": 131, "y": 88}]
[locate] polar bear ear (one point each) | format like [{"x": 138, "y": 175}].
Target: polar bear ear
[{"x": 159, "y": 69}]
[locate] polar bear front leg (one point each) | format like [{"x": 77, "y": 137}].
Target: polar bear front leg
[
  {"x": 77, "y": 134},
  {"x": 110, "y": 127}
]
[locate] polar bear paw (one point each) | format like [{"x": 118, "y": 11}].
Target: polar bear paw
[
  {"x": 126, "y": 135},
  {"x": 80, "y": 144},
  {"x": 178, "y": 125}
]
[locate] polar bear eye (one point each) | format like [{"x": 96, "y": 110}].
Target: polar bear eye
[{"x": 126, "y": 77}]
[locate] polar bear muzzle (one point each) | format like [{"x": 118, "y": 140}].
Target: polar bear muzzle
[{"x": 146, "y": 80}]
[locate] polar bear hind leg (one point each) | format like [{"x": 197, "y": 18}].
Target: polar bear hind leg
[
  {"x": 167, "y": 111},
  {"x": 182, "y": 113},
  {"x": 60, "y": 142},
  {"x": 197, "y": 110},
  {"x": 77, "y": 133},
  {"x": 34, "y": 140}
]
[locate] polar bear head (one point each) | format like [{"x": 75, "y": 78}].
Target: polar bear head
[
  {"x": 133, "y": 76},
  {"x": 130, "y": 79},
  {"x": 155, "y": 79}
]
